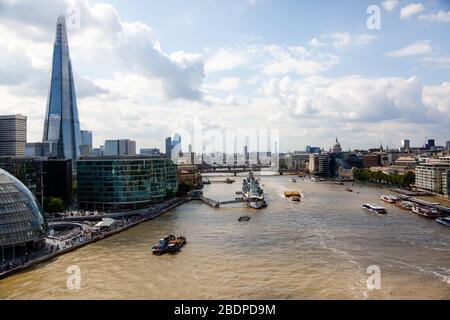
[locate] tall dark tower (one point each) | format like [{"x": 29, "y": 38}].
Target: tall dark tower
[{"x": 62, "y": 125}]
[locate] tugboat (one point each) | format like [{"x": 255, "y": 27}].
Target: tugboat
[
  {"x": 426, "y": 212},
  {"x": 252, "y": 192},
  {"x": 389, "y": 199},
  {"x": 244, "y": 218},
  {"x": 169, "y": 244},
  {"x": 374, "y": 208}
]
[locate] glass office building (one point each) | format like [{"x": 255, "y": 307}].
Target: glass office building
[
  {"x": 124, "y": 183},
  {"x": 62, "y": 125},
  {"x": 22, "y": 223}
]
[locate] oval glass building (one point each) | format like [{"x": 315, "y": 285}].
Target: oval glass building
[{"x": 22, "y": 223}]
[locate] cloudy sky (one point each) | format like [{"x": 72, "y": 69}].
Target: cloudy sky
[{"x": 312, "y": 69}]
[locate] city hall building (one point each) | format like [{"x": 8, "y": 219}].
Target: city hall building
[
  {"x": 23, "y": 226},
  {"x": 124, "y": 183}
]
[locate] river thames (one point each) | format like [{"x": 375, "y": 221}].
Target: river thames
[{"x": 318, "y": 249}]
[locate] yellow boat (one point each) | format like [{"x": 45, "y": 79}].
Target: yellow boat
[{"x": 289, "y": 194}]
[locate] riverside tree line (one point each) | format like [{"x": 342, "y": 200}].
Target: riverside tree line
[{"x": 401, "y": 180}]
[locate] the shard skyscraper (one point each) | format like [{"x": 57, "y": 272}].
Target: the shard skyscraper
[{"x": 62, "y": 125}]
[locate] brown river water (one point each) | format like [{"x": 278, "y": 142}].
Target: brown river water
[{"x": 318, "y": 249}]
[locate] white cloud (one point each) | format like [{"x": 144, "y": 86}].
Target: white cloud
[
  {"x": 342, "y": 40},
  {"x": 416, "y": 49},
  {"x": 440, "y": 16},
  {"x": 390, "y": 5},
  {"x": 271, "y": 59},
  {"x": 226, "y": 59},
  {"x": 438, "y": 97},
  {"x": 104, "y": 41},
  {"x": 124, "y": 74},
  {"x": 357, "y": 99},
  {"x": 411, "y": 9},
  {"x": 440, "y": 62},
  {"x": 316, "y": 43},
  {"x": 224, "y": 84}
]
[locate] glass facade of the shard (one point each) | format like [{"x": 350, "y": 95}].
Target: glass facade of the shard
[{"x": 62, "y": 124}]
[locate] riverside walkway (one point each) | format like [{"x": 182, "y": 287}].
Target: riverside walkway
[{"x": 46, "y": 254}]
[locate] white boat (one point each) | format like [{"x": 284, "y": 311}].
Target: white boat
[
  {"x": 252, "y": 192},
  {"x": 444, "y": 221},
  {"x": 293, "y": 180},
  {"x": 374, "y": 208},
  {"x": 405, "y": 205},
  {"x": 426, "y": 212},
  {"x": 389, "y": 199}
]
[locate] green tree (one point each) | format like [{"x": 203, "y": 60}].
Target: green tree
[{"x": 55, "y": 205}]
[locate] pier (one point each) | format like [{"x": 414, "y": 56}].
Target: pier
[
  {"x": 198, "y": 195},
  {"x": 445, "y": 210}
]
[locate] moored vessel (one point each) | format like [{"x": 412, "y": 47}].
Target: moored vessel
[
  {"x": 389, "y": 198},
  {"x": 405, "y": 205},
  {"x": 252, "y": 192},
  {"x": 426, "y": 212}
]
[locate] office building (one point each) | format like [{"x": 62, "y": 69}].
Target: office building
[
  {"x": 150, "y": 152},
  {"x": 62, "y": 125},
  {"x": 433, "y": 176},
  {"x": 447, "y": 145},
  {"x": 430, "y": 144},
  {"x": 86, "y": 143},
  {"x": 406, "y": 144},
  {"x": 45, "y": 178},
  {"x": 22, "y": 223},
  {"x": 169, "y": 147},
  {"x": 125, "y": 183},
  {"x": 13, "y": 135},
  {"x": 310, "y": 149},
  {"x": 372, "y": 160},
  {"x": 123, "y": 147},
  {"x": 176, "y": 147},
  {"x": 41, "y": 149},
  {"x": 86, "y": 137}
]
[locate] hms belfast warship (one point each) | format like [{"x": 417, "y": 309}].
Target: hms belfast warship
[{"x": 252, "y": 192}]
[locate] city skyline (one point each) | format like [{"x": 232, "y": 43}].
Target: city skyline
[{"x": 316, "y": 81}]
